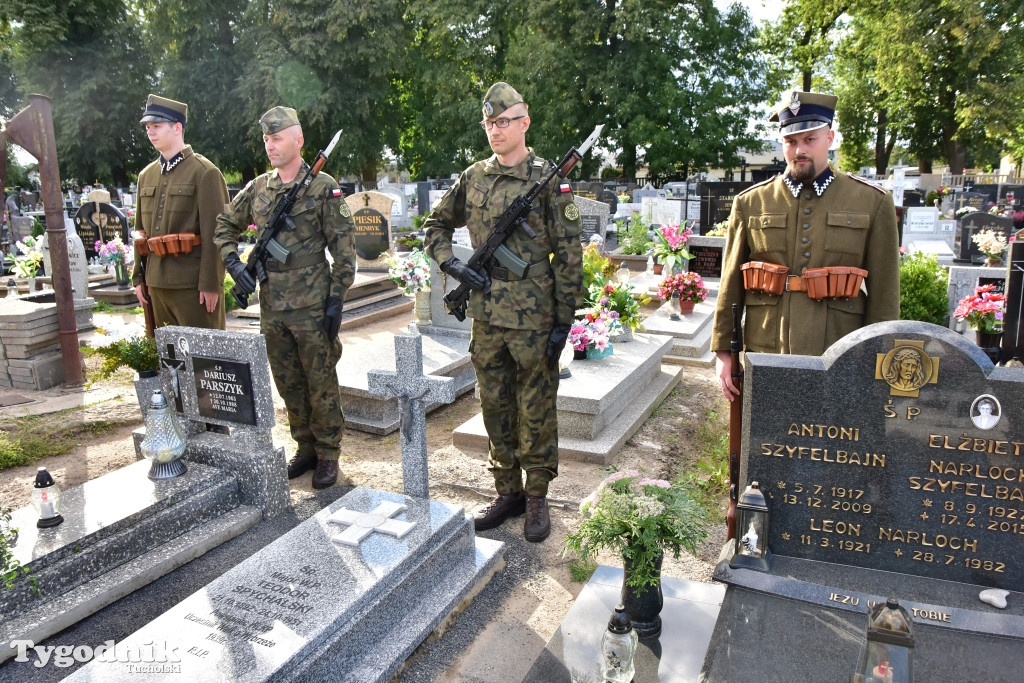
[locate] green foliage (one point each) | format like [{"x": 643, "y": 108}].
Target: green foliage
[
  {"x": 137, "y": 310},
  {"x": 638, "y": 517},
  {"x": 10, "y": 567},
  {"x": 137, "y": 353},
  {"x": 621, "y": 299},
  {"x": 923, "y": 289},
  {"x": 230, "y": 302},
  {"x": 418, "y": 221},
  {"x": 596, "y": 268},
  {"x": 581, "y": 571},
  {"x": 410, "y": 242},
  {"x": 37, "y": 227},
  {"x": 28, "y": 439},
  {"x": 103, "y": 307},
  {"x": 634, "y": 240}
]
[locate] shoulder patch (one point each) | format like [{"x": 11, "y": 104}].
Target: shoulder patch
[
  {"x": 869, "y": 183},
  {"x": 571, "y": 212},
  {"x": 754, "y": 187},
  {"x": 344, "y": 210}
]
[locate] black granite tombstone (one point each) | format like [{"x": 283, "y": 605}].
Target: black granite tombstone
[
  {"x": 102, "y": 224},
  {"x": 707, "y": 261},
  {"x": 371, "y": 233},
  {"x": 891, "y": 466},
  {"x": 1013, "y": 318},
  {"x": 224, "y": 389},
  {"x": 964, "y": 247},
  {"x": 976, "y": 200},
  {"x": 716, "y": 201}
]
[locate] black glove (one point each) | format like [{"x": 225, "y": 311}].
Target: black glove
[
  {"x": 332, "y": 317},
  {"x": 466, "y": 275},
  {"x": 243, "y": 280},
  {"x": 556, "y": 342}
]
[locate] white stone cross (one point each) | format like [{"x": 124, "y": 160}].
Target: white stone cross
[
  {"x": 362, "y": 524},
  {"x": 414, "y": 390}
]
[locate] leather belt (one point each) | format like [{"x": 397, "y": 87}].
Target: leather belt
[
  {"x": 533, "y": 270},
  {"x": 294, "y": 263},
  {"x": 827, "y": 282}
]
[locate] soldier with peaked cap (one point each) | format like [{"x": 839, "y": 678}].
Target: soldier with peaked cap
[
  {"x": 812, "y": 254},
  {"x": 180, "y": 195},
  {"x": 520, "y": 324},
  {"x": 301, "y": 301}
]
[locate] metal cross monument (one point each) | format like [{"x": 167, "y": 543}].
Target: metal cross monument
[{"x": 414, "y": 391}]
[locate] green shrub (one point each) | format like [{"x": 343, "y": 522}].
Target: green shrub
[
  {"x": 230, "y": 302},
  {"x": 634, "y": 239},
  {"x": 923, "y": 289},
  {"x": 138, "y": 353}
]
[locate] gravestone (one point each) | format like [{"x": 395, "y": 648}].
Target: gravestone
[
  {"x": 716, "y": 201},
  {"x": 963, "y": 279},
  {"x": 223, "y": 379},
  {"x": 414, "y": 391},
  {"x": 400, "y": 208},
  {"x": 973, "y": 199},
  {"x": 21, "y": 227},
  {"x": 78, "y": 269},
  {"x": 594, "y": 217},
  {"x": 103, "y": 223},
  {"x": 891, "y": 467},
  {"x": 972, "y": 224},
  {"x": 371, "y": 213},
  {"x": 707, "y": 256},
  {"x": 659, "y": 211},
  {"x": 441, "y": 321},
  {"x": 646, "y": 191},
  {"x": 919, "y": 221},
  {"x": 1012, "y": 346}
]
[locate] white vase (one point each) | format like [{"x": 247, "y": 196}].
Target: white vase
[{"x": 422, "y": 307}]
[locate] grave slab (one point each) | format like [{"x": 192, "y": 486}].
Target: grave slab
[
  {"x": 691, "y": 333},
  {"x": 306, "y": 609}
]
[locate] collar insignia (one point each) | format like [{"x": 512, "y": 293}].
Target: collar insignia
[{"x": 167, "y": 164}]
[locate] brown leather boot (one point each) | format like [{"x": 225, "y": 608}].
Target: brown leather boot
[
  {"x": 538, "y": 522},
  {"x": 326, "y": 474},
  {"x": 500, "y": 509},
  {"x": 300, "y": 464}
]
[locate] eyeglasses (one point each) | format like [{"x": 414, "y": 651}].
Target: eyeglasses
[{"x": 500, "y": 123}]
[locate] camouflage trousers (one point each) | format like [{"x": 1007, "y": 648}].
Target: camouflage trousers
[
  {"x": 182, "y": 307},
  {"x": 517, "y": 398},
  {"x": 304, "y": 364}
]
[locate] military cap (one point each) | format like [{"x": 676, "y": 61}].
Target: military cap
[
  {"x": 162, "y": 109},
  {"x": 805, "y": 111},
  {"x": 279, "y": 118},
  {"x": 500, "y": 97}
]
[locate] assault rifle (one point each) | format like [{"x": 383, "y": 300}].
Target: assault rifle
[
  {"x": 513, "y": 218},
  {"x": 735, "y": 423},
  {"x": 281, "y": 220}
]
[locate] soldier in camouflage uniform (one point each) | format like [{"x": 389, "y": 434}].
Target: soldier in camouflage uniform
[
  {"x": 301, "y": 301},
  {"x": 520, "y": 325}
]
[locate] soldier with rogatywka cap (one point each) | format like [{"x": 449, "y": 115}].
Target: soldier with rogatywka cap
[
  {"x": 301, "y": 300},
  {"x": 811, "y": 254},
  {"x": 520, "y": 323},
  {"x": 179, "y": 197}
]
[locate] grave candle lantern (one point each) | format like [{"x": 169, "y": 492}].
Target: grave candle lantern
[
  {"x": 887, "y": 654},
  {"x": 165, "y": 442},
  {"x": 752, "y": 524},
  {"x": 46, "y": 500},
  {"x": 618, "y": 645}
]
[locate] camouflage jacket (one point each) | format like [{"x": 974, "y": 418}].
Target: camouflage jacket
[
  {"x": 477, "y": 200},
  {"x": 322, "y": 221},
  {"x": 185, "y": 199}
]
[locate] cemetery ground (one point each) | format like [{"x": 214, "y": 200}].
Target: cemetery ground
[{"x": 498, "y": 636}]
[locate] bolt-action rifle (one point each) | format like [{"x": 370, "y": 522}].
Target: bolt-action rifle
[
  {"x": 513, "y": 218},
  {"x": 281, "y": 220},
  {"x": 735, "y": 422}
]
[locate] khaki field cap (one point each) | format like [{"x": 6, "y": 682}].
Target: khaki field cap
[
  {"x": 277, "y": 119},
  {"x": 803, "y": 111},
  {"x": 500, "y": 97},
  {"x": 163, "y": 109}
]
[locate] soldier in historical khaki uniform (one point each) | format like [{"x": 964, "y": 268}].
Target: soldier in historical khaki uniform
[
  {"x": 520, "y": 325},
  {"x": 301, "y": 301},
  {"x": 812, "y": 254},
  {"x": 180, "y": 195}
]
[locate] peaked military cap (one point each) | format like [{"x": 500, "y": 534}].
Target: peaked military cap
[
  {"x": 500, "y": 97},
  {"x": 279, "y": 118},
  {"x": 162, "y": 109},
  {"x": 805, "y": 111}
]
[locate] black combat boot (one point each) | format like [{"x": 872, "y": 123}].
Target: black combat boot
[
  {"x": 300, "y": 464},
  {"x": 326, "y": 474},
  {"x": 538, "y": 522},
  {"x": 500, "y": 509}
]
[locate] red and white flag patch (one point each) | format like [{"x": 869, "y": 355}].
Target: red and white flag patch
[
  {"x": 336, "y": 193},
  {"x": 564, "y": 187}
]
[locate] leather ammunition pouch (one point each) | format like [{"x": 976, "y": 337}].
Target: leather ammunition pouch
[
  {"x": 828, "y": 282},
  {"x": 142, "y": 245},
  {"x": 173, "y": 245}
]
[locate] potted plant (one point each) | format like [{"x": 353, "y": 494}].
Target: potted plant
[
  {"x": 670, "y": 246},
  {"x": 992, "y": 244},
  {"x": 116, "y": 254},
  {"x": 138, "y": 353},
  {"x": 687, "y": 288},
  {"x": 983, "y": 312},
  {"x": 26, "y": 260},
  {"x": 632, "y": 234},
  {"x": 639, "y": 518},
  {"x": 411, "y": 272}
]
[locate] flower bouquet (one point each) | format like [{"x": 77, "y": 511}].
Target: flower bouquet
[
  {"x": 591, "y": 336},
  {"x": 114, "y": 251},
  {"x": 670, "y": 246},
  {"x": 687, "y": 286},
  {"x": 964, "y": 210},
  {"x": 410, "y": 271},
  {"x": 26, "y": 264},
  {"x": 982, "y": 310},
  {"x": 248, "y": 236},
  {"x": 618, "y": 298},
  {"x": 638, "y": 518},
  {"x": 991, "y": 243}
]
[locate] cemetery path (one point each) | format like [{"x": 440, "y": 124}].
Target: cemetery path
[{"x": 506, "y": 627}]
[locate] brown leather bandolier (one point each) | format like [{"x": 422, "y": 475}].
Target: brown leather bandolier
[
  {"x": 827, "y": 282},
  {"x": 173, "y": 245}
]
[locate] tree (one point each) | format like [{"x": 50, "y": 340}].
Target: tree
[{"x": 87, "y": 56}]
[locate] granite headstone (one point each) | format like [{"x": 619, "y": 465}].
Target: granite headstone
[
  {"x": 594, "y": 217},
  {"x": 970, "y": 225},
  {"x": 371, "y": 213}
]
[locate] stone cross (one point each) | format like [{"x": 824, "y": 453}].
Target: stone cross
[
  {"x": 414, "y": 391},
  {"x": 362, "y": 524}
]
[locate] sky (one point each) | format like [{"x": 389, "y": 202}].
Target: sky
[{"x": 759, "y": 10}]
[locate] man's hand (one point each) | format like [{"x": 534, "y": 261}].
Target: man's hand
[
  {"x": 556, "y": 342},
  {"x": 332, "y": 317},
  {"x": 209, "y": 299},
  {"x": 466, "y": 275},
  {"x": 723, "y": 368},
  {"x": 243, "y": 280},
  {"x": 143, "y": 301}
]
